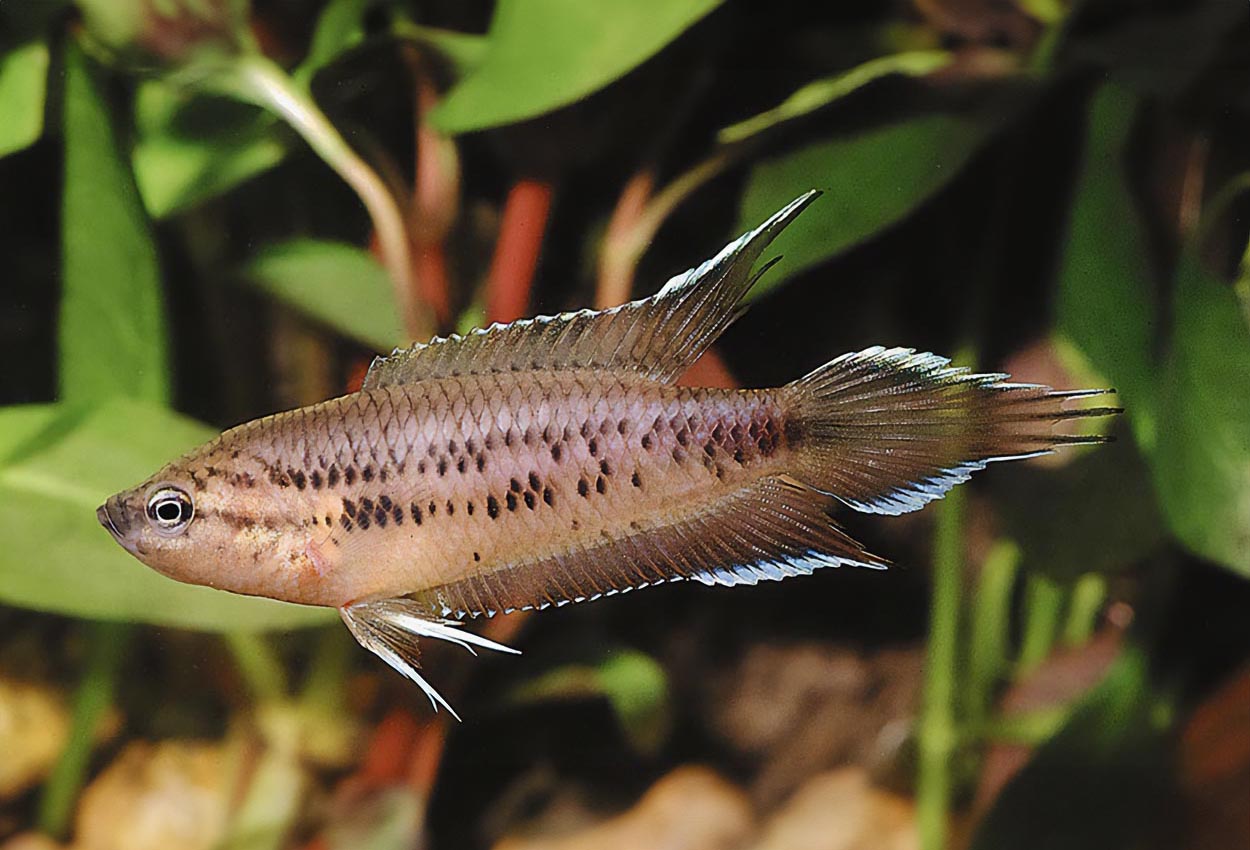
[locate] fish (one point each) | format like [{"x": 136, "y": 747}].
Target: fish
[{"x": 556, "y": 460}]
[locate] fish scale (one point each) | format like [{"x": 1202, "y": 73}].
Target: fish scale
[{"x": 553, "y": 460}]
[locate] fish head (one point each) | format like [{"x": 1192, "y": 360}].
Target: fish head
[
  {"x": 156, "y": 522},
  {"x": 205, "y": 528}
]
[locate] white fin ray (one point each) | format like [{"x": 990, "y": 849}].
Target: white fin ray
[
  {"x": 389, "y": 628},
  {"x": 656, "y": 338}
]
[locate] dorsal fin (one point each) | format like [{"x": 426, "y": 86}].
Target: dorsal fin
[{"x": 657, "y": 337}]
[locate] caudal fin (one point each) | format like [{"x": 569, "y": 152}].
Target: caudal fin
[{"x": 887, "y": 430}]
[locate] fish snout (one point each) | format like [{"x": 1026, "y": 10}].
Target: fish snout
[{"x": 113, "y": 518}]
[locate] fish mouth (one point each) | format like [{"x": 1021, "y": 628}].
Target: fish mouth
[{"x": 102, "y": 514}]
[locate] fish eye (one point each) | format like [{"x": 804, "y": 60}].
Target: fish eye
[{"x": 170, "y": 510}]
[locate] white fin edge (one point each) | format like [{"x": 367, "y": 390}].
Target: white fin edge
[{"x": 389, "y": 630}]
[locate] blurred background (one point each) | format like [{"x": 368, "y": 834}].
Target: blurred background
[{"x": 211, "y": 210}]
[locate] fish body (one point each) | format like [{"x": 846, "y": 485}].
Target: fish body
[{"x": 554, "y": 460}]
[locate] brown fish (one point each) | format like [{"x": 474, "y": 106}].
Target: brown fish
[{"x": 553, "y": 460}]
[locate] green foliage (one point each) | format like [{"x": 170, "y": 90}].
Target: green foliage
[
  {"x": 334, "y": 283},
  {"x": 1097, "y": 513},
  {"x": 57, "y": 557},
  {"x": 821, "y": 93},
  {"x": 1194, "y": 424},
  {"x": 112, "y": 328},
  {"x": 1105, "y": 280},
  {"x": 543, "y": 54},
  {"x": 632, "y": 682},
  {"x": 1097, "y": 782},
  {"x": 872, "y": 180},
  {"x": 191, "y": 148},
  {"x": 23, "y": 81},
  {"x": 1202, "y": 454},
  {"x": 340, "y": 27}
]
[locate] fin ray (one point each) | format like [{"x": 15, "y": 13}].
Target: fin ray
[
  {"x": 888, "y": 430},
  {"x": 390, "y": 629},
  {"x": 773, "y": 529},
  {"x": 657, "y": 337}
]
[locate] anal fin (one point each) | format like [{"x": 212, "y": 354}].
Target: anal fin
[{"x": 771, "y": 530}]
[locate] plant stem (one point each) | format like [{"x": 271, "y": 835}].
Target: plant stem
[
  {"x": 93, "y": 697},
  {"x": 258, "y": 80},
  {"x": 1043, "y": 607},
  {"x": 990, "y": 627},
  {"x": 517, "y": 250},
  {"x": 258, "y": 665},
  {"x": 622, "y": 252},
  {"x": 1087, "y": 598},
  {"x": 937, "y": 734}
]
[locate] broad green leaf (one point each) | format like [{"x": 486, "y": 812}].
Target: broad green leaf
[
  {"x": 57, "y": 558},
  {"x": 334, "y": 283},
  {"x": 1202, "y": 456},
  {"x": 632, "y": 682},
  {"x": 821, "y": 93},
  {"x": 22, "y": 424},
  {"x": 112, "y": 325},
  {"x": 23, "y": 84},
  {"x": 544, "y": 54},
  {"x": 872, "y": 180},
  {"x": 1104, "y": 302},
  {"x": 1098, "y": 782},
  {"x": 191, "y": 148}
]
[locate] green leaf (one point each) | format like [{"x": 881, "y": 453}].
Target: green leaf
[
  {"x": 340, "y": 27},
  {"x": 22, "y": 425},
  {"x": 873, "y": 180},
  {"x": 821, "y": 93},
  {"x": 334, "y": 283},
  {"x": 57, "y": 558},
  {"x": 1099, "y": 781},
  {"x": 1104, "y": 303},
  {"x": 191, "y": 148},
  {"x": 23, "y": 84},
  {"x": 544, "y": 54},
  {"x": 112, "y": 325},
  {"x": 1202, "y": 457},
  {"x": 634, "y": 683}
]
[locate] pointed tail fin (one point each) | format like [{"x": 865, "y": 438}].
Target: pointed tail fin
[{"x": 887, "y": 430}]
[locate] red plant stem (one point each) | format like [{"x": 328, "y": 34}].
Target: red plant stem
[
  {"x": 520, "y": 241},
  {"x": 435, "y": 195},
  {"x": 430, "y": 270}
]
